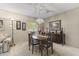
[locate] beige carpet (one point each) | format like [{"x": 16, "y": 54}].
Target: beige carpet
[{"x": 21, "y": 49}]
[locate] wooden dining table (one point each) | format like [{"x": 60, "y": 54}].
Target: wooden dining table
[{"x": 41, "y": 39}]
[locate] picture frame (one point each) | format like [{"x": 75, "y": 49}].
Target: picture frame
[
  {"x": 55, "y": 25},
  {"x": 23, "y": 26},
  {"x": 1, "y": 24},
  {"x": 18, "y": 25}
]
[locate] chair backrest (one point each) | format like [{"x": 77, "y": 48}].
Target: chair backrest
[
  {"x": 33, "y": 38},
  {"x": 30, "y": 37},
  {"x": 50, "y": 36},
  {"x": 49, "y": 40}
]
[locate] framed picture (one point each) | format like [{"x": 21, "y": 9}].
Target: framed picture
[
  {"x": 23, "y": 26},
  {"x": 1, "y": 23},
  {"x": 18, "y": 25},
  {"x": 55, "y": 25}
]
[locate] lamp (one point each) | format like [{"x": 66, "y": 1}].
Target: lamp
[{"x": 12, "y": 33}]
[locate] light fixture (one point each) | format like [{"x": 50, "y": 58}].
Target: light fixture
[
  {"x": 40, "y": 20},
  {"x": 54, "y": 24},
  {"x": 39, "y": 9}
]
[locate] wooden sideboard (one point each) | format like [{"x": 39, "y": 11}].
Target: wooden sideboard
[{"x": 59, "y": 37}]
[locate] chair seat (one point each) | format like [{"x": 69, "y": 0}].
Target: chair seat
[
  {"x": 35, "y": 42},
  {"x": 47, "y": 46}
]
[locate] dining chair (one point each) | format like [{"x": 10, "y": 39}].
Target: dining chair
[
  {"x": 34, "y": 42},
  {"x": 47, "y": 44},
  {"x": 29, "y": 40}
]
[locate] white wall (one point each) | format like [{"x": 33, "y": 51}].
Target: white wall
[
  {"x": 18, "y": 35},
  {"x": 70, "y": 24}
]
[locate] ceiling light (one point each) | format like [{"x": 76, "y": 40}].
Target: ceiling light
[{"x": 39, "y": 20}]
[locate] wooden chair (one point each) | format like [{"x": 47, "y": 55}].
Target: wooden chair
[
  {"x": 47, "y": 44},
  {"x": 29, "y": 40},
  {"x": 34, "y": 42}
]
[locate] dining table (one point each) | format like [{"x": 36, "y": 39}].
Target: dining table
[{"x": 40, "y": 37}]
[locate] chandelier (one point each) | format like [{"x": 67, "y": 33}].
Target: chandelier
[
  {"x": 40, "y": 20},
  {"x": 39, "y": 9}
]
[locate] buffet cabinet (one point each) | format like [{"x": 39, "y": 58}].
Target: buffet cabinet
[{"x": 59, "y": 37}]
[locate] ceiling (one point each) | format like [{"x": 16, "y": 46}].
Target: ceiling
[{"x": 38, "y": 10}]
